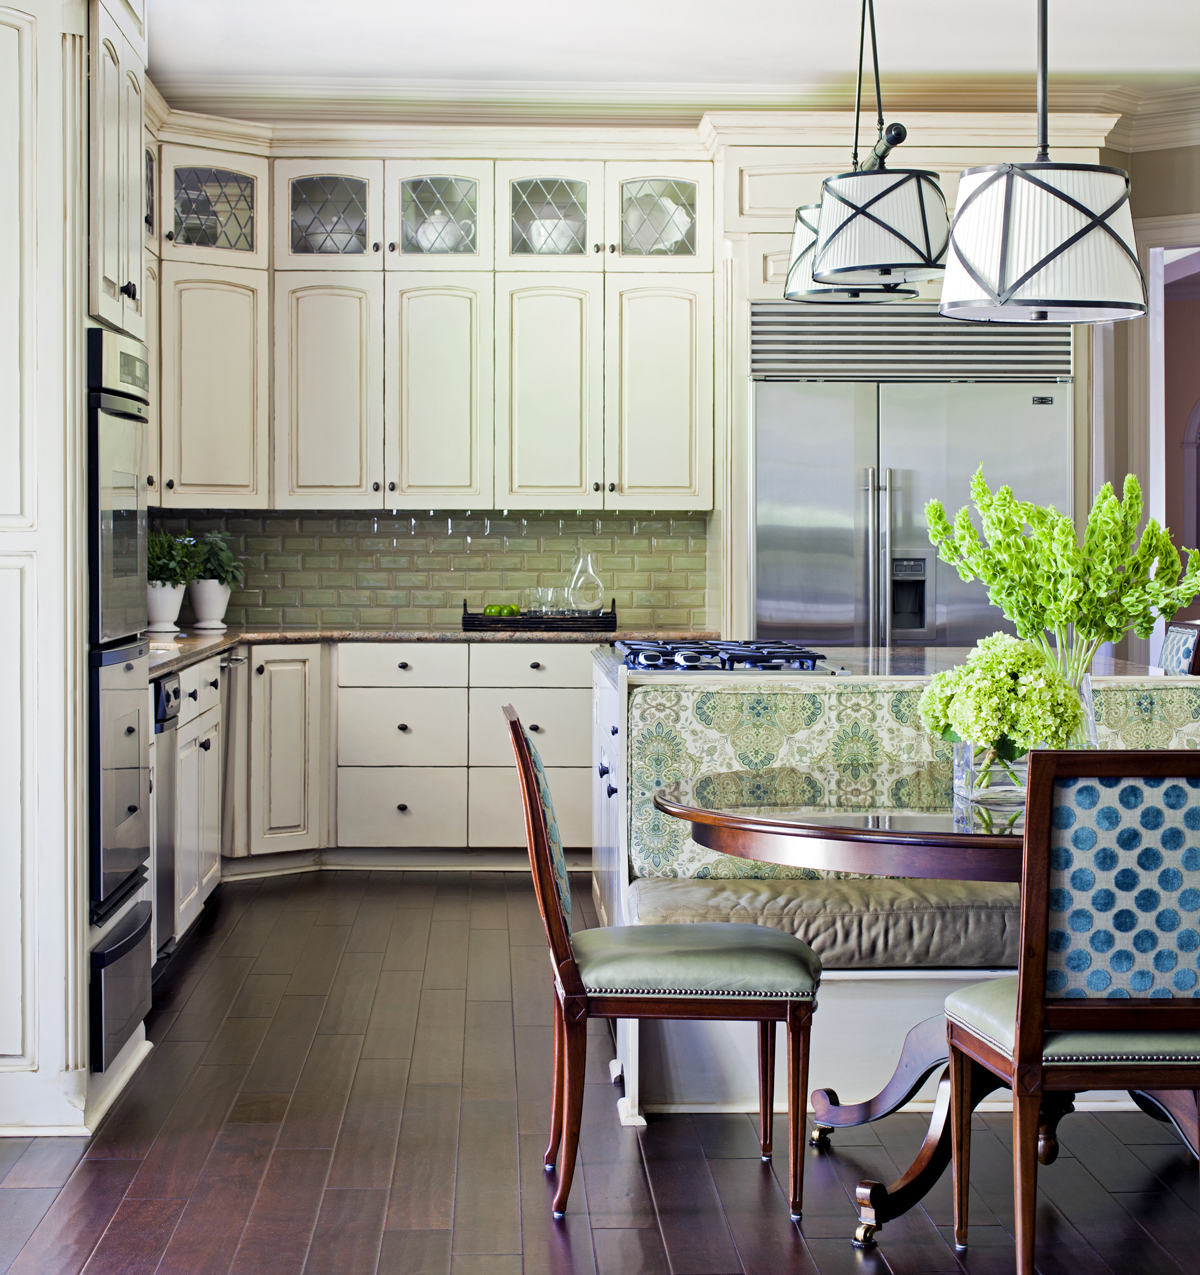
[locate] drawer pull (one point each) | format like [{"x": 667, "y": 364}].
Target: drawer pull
[
  {"x": 609, "y": 790},
  {"x": 132, "y": 809},
  {"x": 130, "y": 730},
  {"x": 206, "y": 744},
  {"x": 193, "y": 694},
  {"x": 402, "y": 664},
  {"x": 402, "y": 726},
  {"x": 535, "y": 727},
  {"x": 603, "y": 770},
  {"x": 535, "y": 664},
  {"x": 402, "y": 807},
  {"x": 614, "y": 730},
  {"x": 262, "y": 668},
  {"x": 215, "y": 684}
]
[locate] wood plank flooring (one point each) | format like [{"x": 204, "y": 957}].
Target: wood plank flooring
[{"x": 352, "y": 1075}]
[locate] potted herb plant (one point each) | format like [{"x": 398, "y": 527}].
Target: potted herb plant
[
  {"x": 219, "y": 571},
  {"x": 171, "y": 565}
]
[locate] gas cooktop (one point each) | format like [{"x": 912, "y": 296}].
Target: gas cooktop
[{"x": 719, "y": 656}]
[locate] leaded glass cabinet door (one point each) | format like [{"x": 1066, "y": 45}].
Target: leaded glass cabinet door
[
  {"x": 329, "y": 214},
  {"x": 152, "y": 211},
  {"x": 213, "y": 207},
  {"x": 658, "y": 219},
  {"x": 550, "y": 216},
  {"x": 439, "y": 214}
]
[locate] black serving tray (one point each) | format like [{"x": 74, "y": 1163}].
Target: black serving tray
[{"x": 579, "y": 622}]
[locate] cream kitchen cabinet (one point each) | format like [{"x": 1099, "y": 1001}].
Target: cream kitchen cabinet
[
  {"x": 439, "y": 214},
  {"x": 328, "y": 215},
  {"x": 117, "y": 199},
  {"x": 328, "y": 390},
  {"x": 402, "y": 806},
  {"x": 402, "y": 726},
  {"x": 658, "y": 392},
  {"x": 438, "y": 407},
  {"x": 658, "y": 218},
  {"x": 214, "y": 207},
  {"x": 549, "y": 391},
  {"x": 550, "y": 216},
  {"x": 151, "y": 273},
  {"x": 215, "y": 373},
  {"x": 496, "y": 817},
  {"x": 197, "y": 814},
  {"x": 286, "y": 805},
  {"x": 152, "y": 175}
]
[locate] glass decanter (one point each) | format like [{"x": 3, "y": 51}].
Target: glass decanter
[{"x": 584, "y": 589}]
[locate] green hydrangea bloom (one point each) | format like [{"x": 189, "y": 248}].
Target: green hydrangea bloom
[{"x": 1007, "y": 696}]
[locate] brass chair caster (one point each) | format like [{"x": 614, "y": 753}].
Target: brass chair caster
[
  {"x": 864, "y": 1237},
  {"x": 819, "y": 1137}
]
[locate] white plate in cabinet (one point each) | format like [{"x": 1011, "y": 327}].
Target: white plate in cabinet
[
  {"x": 402, "y": 664},
  {"x": 497, "y": 818},
  {"x": 438, "y": 214},
  {"x": 531, "y": 663},
  {"x": 558, "y": 719},
  {"x": 387, "y": 726},
  {"x": 658, "y": 218},
  {"x": 328, "y": 214},
  {"x": 402, "y": 806},
  {"x": 550, "y": 215}
]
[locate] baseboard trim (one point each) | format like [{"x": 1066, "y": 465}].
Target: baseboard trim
[{"x": 367, "y": 859}]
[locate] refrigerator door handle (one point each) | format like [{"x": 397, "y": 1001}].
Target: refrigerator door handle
[
  {"x": 887, "y": 558},
  {"x": 872, "y": 558}
]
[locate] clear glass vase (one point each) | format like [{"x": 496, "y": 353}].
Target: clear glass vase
[{"x": 585, "y": 589}]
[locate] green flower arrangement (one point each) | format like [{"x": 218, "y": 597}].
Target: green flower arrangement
[
  {"x": 171, "y": 559},
  {"x": 1007, "y": 698},
  {"x": 218, "y": 561},
  {"x": 1050, "y": 585}
]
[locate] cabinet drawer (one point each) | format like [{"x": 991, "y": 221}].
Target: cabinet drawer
[
  {"x": 563, "y": 718},
  {"x": 531, "y": 664},
  {"x": 199, "y": 689},
  {"x": 369, "y": 801},
  {"x": 402, "y": 664},
  {"x": 495, "y": 815},
  {"x": 370, "y": 722}
]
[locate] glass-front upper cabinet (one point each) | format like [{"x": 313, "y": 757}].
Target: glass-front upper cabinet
[
  {"x": 329, "y": 214},
  {"x": 658, "y": 219},
  {"x": 438, "y": 214},
  {"x": 153, "y": 196},
  {"x": 214, "y": 207},
  {"x": 550, "y": 215}
]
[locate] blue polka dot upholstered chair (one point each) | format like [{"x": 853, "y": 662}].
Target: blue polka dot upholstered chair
[
  {"x": 1180, "y": 651},
  {"x": 717, "y": 969},
  {"x": 1107, "y": 993}
]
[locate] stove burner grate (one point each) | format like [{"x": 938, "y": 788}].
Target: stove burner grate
[{"x": 713, "y": 656}]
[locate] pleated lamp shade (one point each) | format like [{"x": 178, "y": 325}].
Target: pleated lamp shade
[
  {"x": 799, "y": 285},
  {"x": 881, "y": 226},
  {"x": 1043, "y": 243}
]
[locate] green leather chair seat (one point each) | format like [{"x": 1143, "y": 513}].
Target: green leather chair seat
[
  {"x": 874, "y": 924},
  {"x": 990, "y": 1011},
  {"x": 707, "y": 960}
]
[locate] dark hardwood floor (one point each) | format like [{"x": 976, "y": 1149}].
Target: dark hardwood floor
[{"x": 352, "y": 1075}]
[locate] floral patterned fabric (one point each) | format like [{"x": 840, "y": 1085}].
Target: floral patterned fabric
[
  {"x": 1124, "y": 889},
  {"x": 1159, "y": 712},
  {"x": 848, "y": 744},
  {"x": 1177, "y": 650},
  {"x": 557, "y": 859}
]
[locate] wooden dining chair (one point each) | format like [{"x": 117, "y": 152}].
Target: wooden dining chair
[
  {"x": 1107, "y": 992},
  {"x": 713, "y": 970}
]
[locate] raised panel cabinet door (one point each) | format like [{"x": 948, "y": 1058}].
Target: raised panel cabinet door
[
  {"x": 215, "y": 373},
  {"x": 329, "y": 214},
  {"x": 209, "y": 747},
  {"x": 106, "y": 263},
  {"x": 658, "y": 397},
  {"x": 328, "y": 390},
  {"x": 496, "y": 817},
  {"x": 438, "y": 214},
  {"x": 150, "y": 295},
  {"x": 550, "y": 215},
  {"x": 286, "y": 752},
  {"x": 402, "y": 806},
  {"x": 188, "y": 803},
  {"x": 133, "y": 203},
  {"x": 213, "y": 207},
  {"x": 658, "y": 217},
  {"x": 549, "y": 392},
  {"x": 438, "y": 435}
]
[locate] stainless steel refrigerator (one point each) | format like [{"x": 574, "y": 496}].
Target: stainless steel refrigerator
[{"x": 843, "y": 471}]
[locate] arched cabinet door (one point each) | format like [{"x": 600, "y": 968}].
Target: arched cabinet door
[
  {"x": 329, "y": 214},
  {"x": 328, "y": 390},
  {"x": 438, "y": 214},
  {"x": 213, "y": 207},
  {"x": 438, "y": 410}
]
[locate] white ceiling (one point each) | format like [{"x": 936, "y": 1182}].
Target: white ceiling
[{"x": 656, "y": 52}]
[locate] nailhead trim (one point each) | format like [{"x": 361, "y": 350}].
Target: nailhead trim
[
  {"x": 1170, "y": 1058},
  {"x": 666, "y": 991}
]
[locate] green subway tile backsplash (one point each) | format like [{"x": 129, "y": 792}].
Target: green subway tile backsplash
[{"x": 321, "y": 570}]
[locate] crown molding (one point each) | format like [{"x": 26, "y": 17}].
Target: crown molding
[
  {"x": 155, "y": 105},
  {"x": 1161, "y": 121}
]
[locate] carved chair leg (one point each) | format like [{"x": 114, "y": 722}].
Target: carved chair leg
[
  {"x": 766, "y": 1085},
  {"x": 556, "y": 1095},
  {"x": 575, "y": 1051},
  {"x": 1054, "y": 1107},
  {"x": 1026, "y": 1118},
  {"x": 960, "y": 1139},
  {"x": 797, "y": 1034}
]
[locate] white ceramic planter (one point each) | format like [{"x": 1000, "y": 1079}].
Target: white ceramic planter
[
  {"x": 162, "y": 606},
  {"x": 209, "y": 598}
]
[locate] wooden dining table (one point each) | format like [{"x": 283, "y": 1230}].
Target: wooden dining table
[{"x": 962, "y": 843}]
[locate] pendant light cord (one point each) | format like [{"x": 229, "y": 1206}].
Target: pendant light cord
[
  {"x": 862, "y": 35},
  {"x": 1043, "y": 123},
  {"x": 868, "y": 10},
  {"x": 875, "y": 59}
]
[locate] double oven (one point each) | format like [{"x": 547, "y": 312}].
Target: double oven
[{"x": 120, "y": 720}]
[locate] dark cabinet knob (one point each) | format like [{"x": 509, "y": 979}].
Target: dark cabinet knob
[
  {"x": 149, "y": 480},
  {"x": 597, "y": 247},
  {"x": 391, "y": 486},
  {"x": 612, "y": 486},
  {"x": 128, "y": 290},
  {"x": 128, "y": 668},
  {"x": 535, "y": 664},
  {"x": 391, "y": 247},
  {"x": 206, "y": 744},
  {"x": 402, "y": 664},
  {"x": 374, "y": 247},
  {"x": 149, "y": 220},
  {"x": 402, "y": 726},
  {"x": 603, "y": 770},
  {"x": 402, "y": 807},
  {"x": 130, "y": 730},
  {"x": 215, "y": 684},
  {"x": 374, "y": 486},
  {"x": 169, "y": 236},
  {"x": 170, "y": 484},
  {"x": 262, "y": 668},
  {"x": 595, "y": 486},
  {"x": 614, "y": 730},
  {"x": 535, "y": 727},
  {"x": 132, "y": 809},
  {"x": 610, "y": 790},
  {"x": 193, "y": 694},
  {"x": 612, "y": 247}
]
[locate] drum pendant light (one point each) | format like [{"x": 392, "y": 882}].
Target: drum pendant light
[
  {"x": 880, "y": 226},
  {"x": 799, "y": 285},
  {"x": 1043, "y": 242}
]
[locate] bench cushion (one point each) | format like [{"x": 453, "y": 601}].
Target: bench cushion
[
  {"x": 696, "y": 960},
  {"x": 873, "y": 924}
]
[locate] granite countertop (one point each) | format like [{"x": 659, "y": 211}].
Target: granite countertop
[{"x": 171, "y": 652}]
